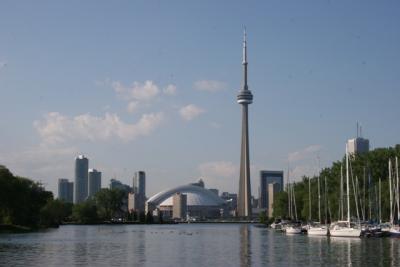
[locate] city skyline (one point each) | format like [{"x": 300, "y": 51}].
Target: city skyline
[{"x": 152, "y": 87}]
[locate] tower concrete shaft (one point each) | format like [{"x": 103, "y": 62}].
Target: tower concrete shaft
[{"x": 244, "y": 98}]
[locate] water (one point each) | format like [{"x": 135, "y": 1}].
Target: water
[{"x": 190, "y": 245}]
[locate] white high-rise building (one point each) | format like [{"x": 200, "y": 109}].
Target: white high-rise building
[{"x": 358, "y": 145}]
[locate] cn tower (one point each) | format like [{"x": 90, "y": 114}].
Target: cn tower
[{"x": 244, "y": 98}]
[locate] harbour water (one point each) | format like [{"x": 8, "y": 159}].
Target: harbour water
[{"x": 190, "y": 245}]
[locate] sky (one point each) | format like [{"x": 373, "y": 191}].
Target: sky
[{"x": 152, "y": 85}]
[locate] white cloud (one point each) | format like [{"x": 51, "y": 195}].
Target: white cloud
[
  {"x": 210, "y": 85},
  {"x": 304, "y": 154},
  {"x": 170, "y": 90},
  {"x": 219, "y": 174},
  {"x": 132, "y": 106},
  {"x": 56, "y": 128},
  {"x": 300, "y": 170},
  {"x": 137, "y": 91},
  {"x": 190, "y": 112},
  {"x": 218, "y": 169}
]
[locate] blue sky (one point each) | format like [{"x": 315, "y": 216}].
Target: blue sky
[{"x": 152, "y": 85}]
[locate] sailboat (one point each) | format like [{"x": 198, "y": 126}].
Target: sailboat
[
  {"x": 316, "y": 228},
  {"x": 345, "y": 228},
  {"x": 394, "y": 230},
  {"x": 294, "y": 227}
]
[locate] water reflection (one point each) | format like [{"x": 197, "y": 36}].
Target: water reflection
[
  {"x": 245, "y": 248},
  {"x": 194, "y": 244}
]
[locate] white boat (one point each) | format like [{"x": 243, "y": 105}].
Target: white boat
[
  {"x": 318, "y": 229},
  {"x": 293, "y": 230},
  {"x": 394, "y": 231},
  {"x": 344, "y": 229}
]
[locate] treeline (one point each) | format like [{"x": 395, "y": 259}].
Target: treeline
[
  {"x": 366, "y": 170},
  {"x": 26, "y": 203},
  {"x": 108, "y": 205}
]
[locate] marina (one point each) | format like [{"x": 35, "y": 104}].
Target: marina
[{"x": 186, "y": 244}]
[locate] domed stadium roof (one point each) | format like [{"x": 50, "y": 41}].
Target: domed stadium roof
[{"x": 196, "y": 196}]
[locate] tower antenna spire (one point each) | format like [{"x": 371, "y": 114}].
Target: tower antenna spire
[{"x": 245, "y": 86}]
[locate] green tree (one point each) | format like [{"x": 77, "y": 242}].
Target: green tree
[
  {"x": 142, "y": 217},
  {"x": 21, "y": 199},
  {"x": 109, "y": 202},
  {"x": 149, "y": 218},
  {"x": 85, "y": 212},
  {"x": 262, "y": 217},
  {"x": 54, "y": 212}
]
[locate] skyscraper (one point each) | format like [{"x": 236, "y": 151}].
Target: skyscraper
[
  {"x": 139, "y": 183},
  {"x": 359, "y": 144},
  {"x": 266, "y": 178},
  {"x": 94, "y": 182},
  {"x": 65, "y": 190},
  {"x": 244, "y": 98},
  {"x": 139, "y": 190},
  {"x": 81, "y": 179}
]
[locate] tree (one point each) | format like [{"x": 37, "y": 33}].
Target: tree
[
  {"x": 55, "y": 212},
  {"x": 262, "y": 217},
  {"x": 85, "y": 212},
  {"x": 109, "y": 202},
  {"x": 21, "y": 199},
  {"x": 149, "y": 218},
  {"x": 142, "y": 217}
]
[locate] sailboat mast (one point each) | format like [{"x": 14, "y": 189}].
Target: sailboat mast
[
  {"x": 347, "y": 185},
  {"x": 369, "y": 194},
  {"x": 294, "y": 202},
  {"x": 289, "y": 194},
  {"x": 309, "y": 198},
  {"x": 390, "y": 192},
  {"x": 341, "y": 193},
  {"x": 379, "y": 200},
  {"x": 326, "y": 200},
  {"x": 397, "y": 189},
  {"x": 319, "y": 200}
]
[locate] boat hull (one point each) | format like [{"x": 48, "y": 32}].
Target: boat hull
[
  {"x": 320, "y": 231},
  {"x": 293, "y": 230},
  {"x": 345, "y": 232}
]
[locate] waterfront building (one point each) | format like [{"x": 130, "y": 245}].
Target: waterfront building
[
  {"x": 201, "y": 202},
  {"x": 94, "y": 182},
  {"x": 267, "y": 177},
  {"x": 273, "y": 189},
  {"x": 139, "y": 183},
  {"x": 81, "y": 179},
  {"x": 214, "y": 190},
  {"x": 231, "y": 201},
  {"x": 179, "y": 206},
  {"x": 65, "y": 190},
  {"x": 358, "y": 145},
  {"x": 244, "y": 98},
  {"x": 136, "y": 203},
  {"x": 139, "y": 191}
]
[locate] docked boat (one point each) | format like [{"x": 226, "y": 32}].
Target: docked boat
[
  {"x": 317, "y": 229},
  {"x": 344, "y": 229},
  {"x": 293, "y": 229}
]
